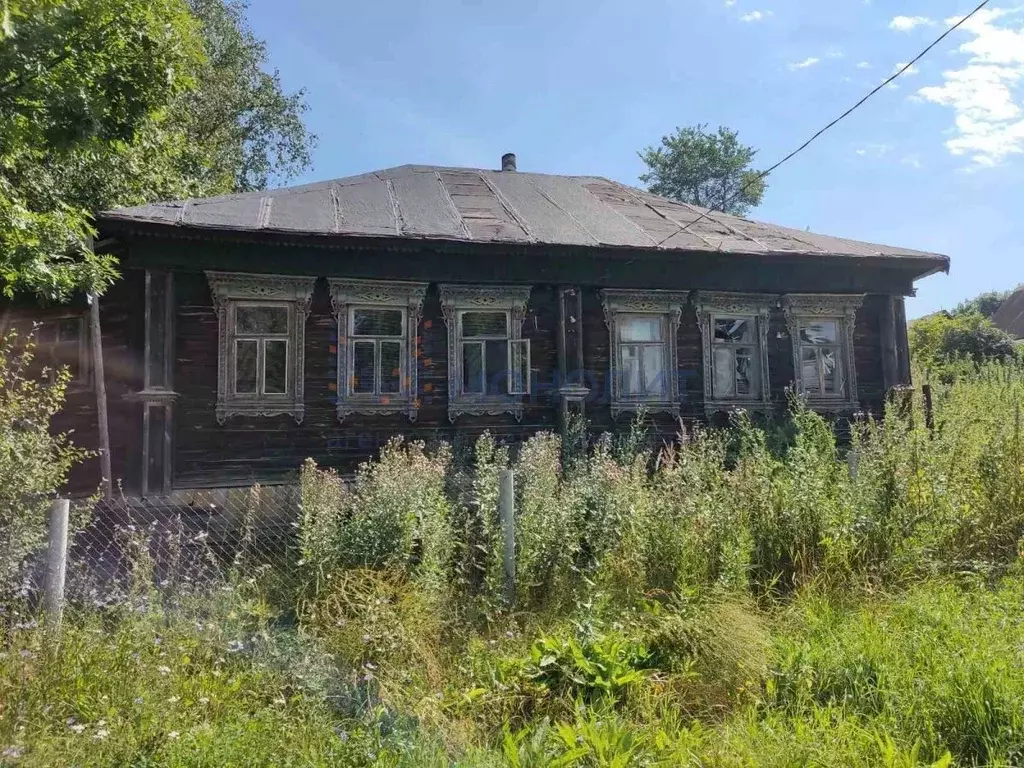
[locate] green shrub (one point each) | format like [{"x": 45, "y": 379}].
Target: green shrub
[{"x": 34, "y": 462}]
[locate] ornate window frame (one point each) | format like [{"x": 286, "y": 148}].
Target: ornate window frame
[
  {"x": 347, "y": 295},
  {"x": 457, "y": 299},
  {"x": 230, "y": 289},
  {"x": 667, "y": 305},
  {"x": 757, "y": 306},
  {"x": 841, "y": 308}
]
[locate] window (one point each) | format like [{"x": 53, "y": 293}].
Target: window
[
  {"x": 261, "y": 329},
  {"x": 377, "y": 352},
  {"x": 734, "y": 329},
  {"x": 821, "y": 329},
  {"x": 734, "y": 357},
  {"x": 488, "y": 360},
  {"x": 642, "y": 327},
  {"x": 260, "y": 336}
]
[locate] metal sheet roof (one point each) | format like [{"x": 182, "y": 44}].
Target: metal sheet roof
[{"x": 473, "y": 205}]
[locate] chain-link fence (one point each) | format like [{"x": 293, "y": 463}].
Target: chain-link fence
[{"x": 175, "y": 545}]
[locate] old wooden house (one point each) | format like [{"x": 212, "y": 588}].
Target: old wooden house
[{"x": 251, "y": 331}]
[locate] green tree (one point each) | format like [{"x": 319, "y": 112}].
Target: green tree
[
  {"x": 942, "y": 340},
  {"x": 986, "y": 304},
  {"x": 202, "y": 117},
  {"x": 76, "y": 73},
  {"x": 709, "y": 169}
]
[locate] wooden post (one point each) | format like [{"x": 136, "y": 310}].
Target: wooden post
[
  {"x": 890, "y": 351},
  {"x": 102, "y": 429},
  {"x": 853, "y": 462},
  {"x": 506, "y": 508},
  {"x": 56, "y": 562}
]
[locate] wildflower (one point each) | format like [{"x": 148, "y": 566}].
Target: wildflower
[
  {"x": 204, "y": 700},
  {"x": 25, "y": 654},
  {"x": 163, "y": 670},
  {"x": 137, "y": 700},
  {"x": 12, "y": 753},
  {"x": 342, "y": 733},
  {"x": 279, "y": 701},
  {"x": 173, "y": 735},
  {"x": 78, "y": 728},
  {"x": 174, "y": 699},
  {"x": 101, "y": 734},
  {"x": 234, "y": 646}
]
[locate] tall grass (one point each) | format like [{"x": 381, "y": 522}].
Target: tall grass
[{"x": 740, "y": 597}]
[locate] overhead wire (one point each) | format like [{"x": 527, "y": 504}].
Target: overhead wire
[{"x": 764, "y": 174}]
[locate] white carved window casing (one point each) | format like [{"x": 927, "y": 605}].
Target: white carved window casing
[
  {"x": 261, "y": 331},
  {"x": 378, "y": 322},
  {"x": 643, "y": 327},
  {"x": 734, "y": 332},
  {"x": 821, "y": 329},
  {"x": 488, "y": 358}
]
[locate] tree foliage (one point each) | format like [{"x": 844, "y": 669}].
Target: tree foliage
[
  {"x": 709, "y": 169},
  {"x": 76, "y": 74},
  {"x": 942, "y": 340},
  {"x": 985, "y": 304},
  {"x": 105, "y": 103}
]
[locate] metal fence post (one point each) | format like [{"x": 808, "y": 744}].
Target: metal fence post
[
  {"x": 56, "y": 562},
  {"x": 506, "y": 507}
]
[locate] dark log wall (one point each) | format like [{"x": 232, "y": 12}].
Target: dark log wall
[{"x": 246, "y": 450}]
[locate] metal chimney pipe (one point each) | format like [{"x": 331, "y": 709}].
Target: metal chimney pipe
[{"x": 508, "y": 161}]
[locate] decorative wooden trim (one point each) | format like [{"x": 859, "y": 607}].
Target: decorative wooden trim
[
  {"x": 346, "y": 294},
  {"x": 822, "y": 306},
  {"x": 756, "y": 305},
  {"x": 460, "y": 298},
  {"x": 229, "y": 288},
  {"x": 667, "y": 304}
]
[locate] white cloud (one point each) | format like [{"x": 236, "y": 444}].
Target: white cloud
[
  {"x": 874, "y": 150},
  {"x": 836, "y": 53},
  {"x": 914, "y": 161},
  {"x": 907, "y": 23},
  {"x": 863, "y": 65},
  {"x": 987, "y": 93},
  {"x": 754, "y": 16},
  {"x": 910, "y": 71},
  {"x": 730, "y": 3},
  {"x": 808, "y": 62}
]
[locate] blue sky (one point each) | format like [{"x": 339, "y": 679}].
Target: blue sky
[{"x": 579, "y": 86}]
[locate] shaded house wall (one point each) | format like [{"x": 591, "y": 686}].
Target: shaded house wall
[{"x": 244, "y": 450}]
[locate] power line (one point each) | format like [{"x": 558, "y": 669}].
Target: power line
[{"x": 847, "y": 113}]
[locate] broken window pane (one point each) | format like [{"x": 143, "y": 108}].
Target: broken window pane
[
  {"x": 746, "y": 372},
  {"x": 809, "y": 370},
  {"x": 734, "y": 329},
  {"x": 724, "y": 363},
  {"x": 823, "y": 332}
]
